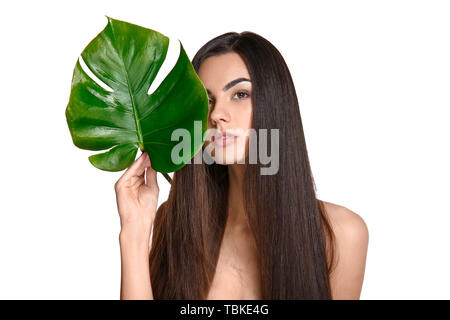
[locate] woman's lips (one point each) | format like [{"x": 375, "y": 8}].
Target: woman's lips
[{"x": 224, "y": 140}]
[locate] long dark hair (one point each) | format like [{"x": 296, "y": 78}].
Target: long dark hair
[{"x": 293, "y": 236}]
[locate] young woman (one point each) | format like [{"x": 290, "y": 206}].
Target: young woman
[{"x": 227, "y": 231}]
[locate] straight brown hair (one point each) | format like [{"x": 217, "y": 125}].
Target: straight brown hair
[{"x": 295, "y": 241}]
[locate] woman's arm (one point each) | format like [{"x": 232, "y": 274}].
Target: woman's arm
[
  {"x": 137, "y": 200},
  {"x": 352, "y": 239},
  {"x": 135, "y": 280}
]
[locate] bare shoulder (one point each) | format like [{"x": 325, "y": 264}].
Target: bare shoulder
[
  {"x": 346, "y": 223},
  {"x": 351, "y": 244}
]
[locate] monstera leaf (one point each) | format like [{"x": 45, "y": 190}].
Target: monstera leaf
[{"x": 121, "y": 116}]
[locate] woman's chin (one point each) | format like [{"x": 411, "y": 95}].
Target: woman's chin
[
  {"x": 225, "y": 155},
  {"x": 227, "y": 159}
]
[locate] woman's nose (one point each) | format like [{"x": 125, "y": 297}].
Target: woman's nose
[{"x": 220, "y": 113}]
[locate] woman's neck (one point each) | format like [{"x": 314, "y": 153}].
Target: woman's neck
[{"x": 237, "y": 220}]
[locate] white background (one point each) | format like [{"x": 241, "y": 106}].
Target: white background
[{"x": 373, "y": 79}]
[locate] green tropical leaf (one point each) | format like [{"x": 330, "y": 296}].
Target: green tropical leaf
[{"x": 120, "y": 116}]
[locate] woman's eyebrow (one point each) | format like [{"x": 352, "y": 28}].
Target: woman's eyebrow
[
  {"x": 234, "y": 82},
  {"x": 231, "y": 84}
]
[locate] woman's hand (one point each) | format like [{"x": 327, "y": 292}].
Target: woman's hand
[{"x": 137, "y": 199}]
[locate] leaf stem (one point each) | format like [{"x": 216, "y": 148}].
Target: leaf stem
[{"x": 168, "y": 178}]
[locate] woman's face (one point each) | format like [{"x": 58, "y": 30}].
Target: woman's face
[{"x": 227, "y": 81}]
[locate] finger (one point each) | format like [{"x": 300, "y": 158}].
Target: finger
[
  {"x": 146, "y": 163},
  {"x": 137, "y": 168},
  {"x": 151, "y": 175}
]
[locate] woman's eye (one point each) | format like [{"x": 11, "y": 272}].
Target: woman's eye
[{"x": 241, "y": 94}]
